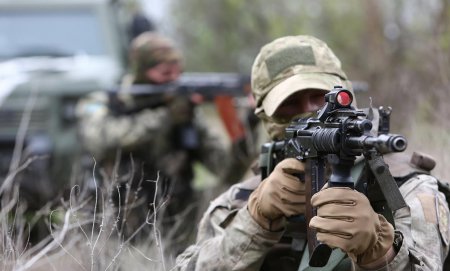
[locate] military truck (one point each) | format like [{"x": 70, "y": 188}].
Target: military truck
[{"x": 52, "y": 52}]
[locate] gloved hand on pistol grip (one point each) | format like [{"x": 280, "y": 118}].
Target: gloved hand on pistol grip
[
  {"x": 345, "y": 219},
  {"x": 279, "y": 196}
]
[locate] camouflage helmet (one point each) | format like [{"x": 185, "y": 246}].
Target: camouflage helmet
[
  {"x": 291, "y": 64},
  {"x": 149, "y": 49}
]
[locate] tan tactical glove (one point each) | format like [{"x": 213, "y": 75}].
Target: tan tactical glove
[
  {"x": 346, "y": 220},
  {"x": 279, "y": 196}
]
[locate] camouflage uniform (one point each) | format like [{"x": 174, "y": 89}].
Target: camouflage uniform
[
  {"x": 161, "y": 142},
  {"x": 230, "y": 239},
  {"x": 149, "y": 133}
]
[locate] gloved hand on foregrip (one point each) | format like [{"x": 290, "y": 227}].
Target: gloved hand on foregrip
[
  {"x": 346, "y": 220},
  {"x": 279, "y": 196}
]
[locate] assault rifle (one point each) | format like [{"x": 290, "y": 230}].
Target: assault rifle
[
  {"x": 332, "y": 141},
  {"x": 208, "y": 85},
  {"x": 220, "y": 88}
]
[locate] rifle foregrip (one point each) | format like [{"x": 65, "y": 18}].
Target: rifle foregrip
[{"x": 320, "y": 255}]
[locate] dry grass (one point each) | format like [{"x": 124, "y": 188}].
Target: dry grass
[
  {"x": 86, "y": 233},
  {"x": 86, "y": 228}
]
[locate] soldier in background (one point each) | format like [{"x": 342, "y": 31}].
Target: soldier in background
[{"x": 134, "y": 138}]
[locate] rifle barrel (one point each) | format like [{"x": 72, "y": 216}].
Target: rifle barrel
[{"x": 383, "y": 143}]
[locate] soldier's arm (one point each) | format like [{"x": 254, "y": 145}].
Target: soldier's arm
[
  {"x": 100, "y": 130},
  {"x": 229, "y": 164},
  {"x": 228, "y": 239},
  {"x": 212, "y": 152},
  {"x": 422, "y": 229}
]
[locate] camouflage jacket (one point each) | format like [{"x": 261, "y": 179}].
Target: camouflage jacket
[
  {"x": 153, "y": 135},
  {"x": 229, "y": 239}
]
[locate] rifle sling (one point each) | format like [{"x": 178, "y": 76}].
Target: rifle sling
[
  {"x": 368, "y": 184},
  {"x": 386, "y": 183}
]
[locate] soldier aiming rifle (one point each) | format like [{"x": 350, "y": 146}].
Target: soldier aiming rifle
[
  {"x": 149, "y": 146},
  {"x": 335, "y": 138},
  {"x": 255, "y": 224}
]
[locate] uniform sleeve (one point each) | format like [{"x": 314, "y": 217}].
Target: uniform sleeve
[
  {"x": 229, "y": 164},
  {"x": 422, "y": 229},
  {"x": 212, "y": 151},
  {"x": 222, "y": 160},
  {"x": 102, "y": 131},
  {"x": 227, "y": 240}
]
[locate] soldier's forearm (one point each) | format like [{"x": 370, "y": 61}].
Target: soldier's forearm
[
  {"x": 386, "y": 259},
  {"x": 399, "y": 260},
  {"x": 241, "y": 246}
]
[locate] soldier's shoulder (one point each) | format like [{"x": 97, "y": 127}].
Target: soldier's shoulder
[{"x": 405, "y": 164}]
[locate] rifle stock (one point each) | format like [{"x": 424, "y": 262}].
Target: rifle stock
[{"x": 219, "y": 88}]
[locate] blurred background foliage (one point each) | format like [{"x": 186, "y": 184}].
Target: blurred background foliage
[{"x": 401, "y": 49}]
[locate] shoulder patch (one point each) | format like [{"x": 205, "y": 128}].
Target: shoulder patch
[
  {"x": 429, "y": 207},
  {"x": 443, "y": 219}
]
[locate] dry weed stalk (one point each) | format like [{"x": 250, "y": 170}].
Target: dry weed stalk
[
  {"x": 88, "y": 235},
  {"x": 87, "y": 229}
]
